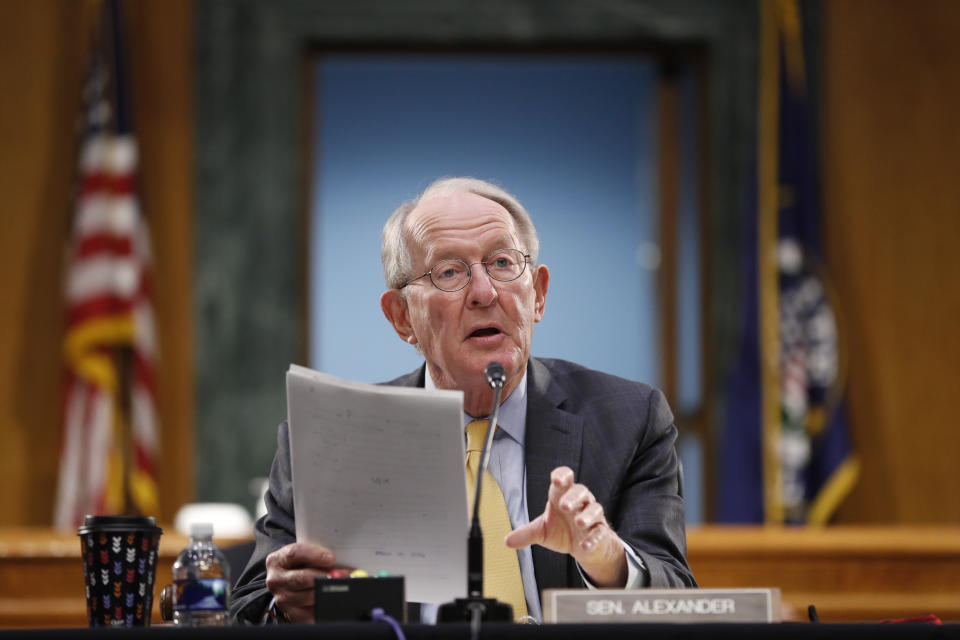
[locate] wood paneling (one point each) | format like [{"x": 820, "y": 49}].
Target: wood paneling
[
  {"x": 41, "y": 576},
  {"x": 849, "y": 573},
  {"x": 43, "y": 51},
  {"x": 891, "y": 205},
  {"x": 40, "y": 45}
]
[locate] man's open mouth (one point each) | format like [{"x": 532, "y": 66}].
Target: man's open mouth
[{"x": 484, "y": 332}]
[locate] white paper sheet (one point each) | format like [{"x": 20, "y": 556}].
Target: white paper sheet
[{"x": 378, "y": 478}]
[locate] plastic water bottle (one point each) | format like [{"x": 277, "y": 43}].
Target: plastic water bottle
[{"x": 201, "y": 578}]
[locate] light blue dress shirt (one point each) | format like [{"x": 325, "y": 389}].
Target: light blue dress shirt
[{"x": 507, "y": 467}]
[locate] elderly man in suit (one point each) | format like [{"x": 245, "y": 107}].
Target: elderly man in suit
[{"x": 590, "y": 456}]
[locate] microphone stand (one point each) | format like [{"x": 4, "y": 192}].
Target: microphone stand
[{"x": 475, "y": 607}]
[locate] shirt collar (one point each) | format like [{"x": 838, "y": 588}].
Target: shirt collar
[{"x": 512, "y": 418}]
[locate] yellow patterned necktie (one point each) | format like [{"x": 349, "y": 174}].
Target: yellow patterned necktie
[{"x": 501, "y": 569}]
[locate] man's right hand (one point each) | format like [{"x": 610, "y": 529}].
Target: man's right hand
[{"x": 290, "y": 574}]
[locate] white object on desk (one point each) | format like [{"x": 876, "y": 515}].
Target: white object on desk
[{"x": 229, "y": 520}]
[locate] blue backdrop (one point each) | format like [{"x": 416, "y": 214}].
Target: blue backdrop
[{"x": 572, "y": 138}]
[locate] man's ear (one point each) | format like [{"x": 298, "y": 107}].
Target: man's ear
[
  {"x": 541, "y": 282},
  {"x": 394, "y": 306}
]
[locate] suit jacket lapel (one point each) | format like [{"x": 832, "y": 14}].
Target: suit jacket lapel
[{"x": 553, "y": 438}]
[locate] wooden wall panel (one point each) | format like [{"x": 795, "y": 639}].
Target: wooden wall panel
[
  {"x": 891, "y": 150},
  {"x": 43, "y": 50}
]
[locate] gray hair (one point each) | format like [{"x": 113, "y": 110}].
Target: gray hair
[{"x": 394, "y": 252}]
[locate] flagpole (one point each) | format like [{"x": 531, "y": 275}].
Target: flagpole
[
  {"x": 767, "y": 184},
  {"x": 126, "y": 423}
]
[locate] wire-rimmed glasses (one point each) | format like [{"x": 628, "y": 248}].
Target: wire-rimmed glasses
[{"x": 452, "y": 275}]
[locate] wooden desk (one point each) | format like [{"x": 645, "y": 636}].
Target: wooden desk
[
  {"x": 849, "y": 573},
  {"x": 41, "y": 576}
]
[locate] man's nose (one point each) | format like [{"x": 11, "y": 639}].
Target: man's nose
[{"x": 480, "y": 292}]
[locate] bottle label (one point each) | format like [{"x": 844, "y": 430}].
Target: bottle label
[{"x": 203, "y": 594}]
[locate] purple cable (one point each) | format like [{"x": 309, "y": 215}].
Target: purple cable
[{"x": 378, "y": 614}]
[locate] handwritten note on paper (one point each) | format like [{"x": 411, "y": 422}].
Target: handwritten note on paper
[{"x": 378, "y": 477}]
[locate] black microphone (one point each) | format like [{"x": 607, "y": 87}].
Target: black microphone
[
  {"x": 495, "y": 375},
  {"x": 475, "y": 607}
]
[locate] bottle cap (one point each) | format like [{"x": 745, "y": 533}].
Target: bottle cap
[{"x": 201, "y": 530}]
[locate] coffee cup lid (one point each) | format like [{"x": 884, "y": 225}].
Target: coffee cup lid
[{"x": 96, "y": 524}]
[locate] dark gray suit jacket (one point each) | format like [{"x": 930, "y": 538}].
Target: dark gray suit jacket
[{"x": 617, "y": 436}]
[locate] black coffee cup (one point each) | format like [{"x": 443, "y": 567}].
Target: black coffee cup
[{"x": 119, "y": 569}]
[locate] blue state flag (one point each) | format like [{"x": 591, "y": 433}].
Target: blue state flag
[{"x": 785, "y": 453}]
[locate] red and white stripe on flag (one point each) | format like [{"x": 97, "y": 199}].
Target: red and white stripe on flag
[{"x": 110, "y": 444}]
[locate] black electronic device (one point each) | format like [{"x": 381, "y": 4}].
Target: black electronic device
[{"x": 356, "y": 598}]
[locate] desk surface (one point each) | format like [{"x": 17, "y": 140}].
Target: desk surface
[
  {"x": 849, "y": 573},
  {"x": 41, "y": 576},
  {"x": 862, "y": 573},
  {"x": 381, "y": 631}
]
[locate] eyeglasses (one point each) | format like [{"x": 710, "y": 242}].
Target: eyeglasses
[{"x": 452, "y": 275}]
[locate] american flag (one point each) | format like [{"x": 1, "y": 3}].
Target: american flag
[{"x": 109, "y": 441}]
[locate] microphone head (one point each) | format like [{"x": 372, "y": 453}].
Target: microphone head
[{"x": 495, "y": 374}]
